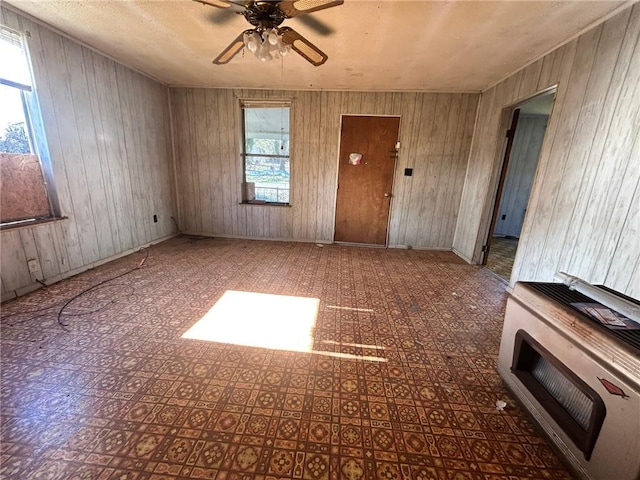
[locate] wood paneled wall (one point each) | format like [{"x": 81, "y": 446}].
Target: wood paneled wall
[
  {"x": 108, "y": 134},
  {"x": 520, "y": 172},
  {"x": 584, "y": 211},
  {"x": 435, "y": 136}
]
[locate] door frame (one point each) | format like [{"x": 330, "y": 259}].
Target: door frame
[
  {"x": 335, "y": 180},
  {"x": 506, "y": 156},
  {"x": 500, "y": 171}
]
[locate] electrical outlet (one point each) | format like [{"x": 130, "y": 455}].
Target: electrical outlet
[
  {"x": 33, "y": 265},
  {"x": 155, "y": 218},
  {"x": 504, "y": 217}
]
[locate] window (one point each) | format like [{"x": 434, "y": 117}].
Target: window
[
  {"x": 24, "y": 190},
  {"x": 266, "y": 152}
]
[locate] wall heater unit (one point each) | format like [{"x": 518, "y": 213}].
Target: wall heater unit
[{"x": 570, "y": 353}]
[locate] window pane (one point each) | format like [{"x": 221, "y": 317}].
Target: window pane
[
  {"x": 267, "y": 163},
  {"x": 24, "y": 191},
  {"x": 270, "y": 176},
  {"x": 13, "y": 61},
  {"x": 267, "y": 131},
  {"x": 13, "y": 126}
]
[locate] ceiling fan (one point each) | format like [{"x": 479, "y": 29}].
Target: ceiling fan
[{"x": 267, "y": 40}]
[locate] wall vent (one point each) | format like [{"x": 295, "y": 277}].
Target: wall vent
[{"x": 575, "y": 406}]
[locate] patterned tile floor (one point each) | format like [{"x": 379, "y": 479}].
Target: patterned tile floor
[
  {"x": 501, "y": 256},
  {"x": 399, "y": 382}
]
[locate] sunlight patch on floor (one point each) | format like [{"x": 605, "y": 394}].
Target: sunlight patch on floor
[
  {"x": 351, "y": 309},
  {"x": 259, "y": 320},
  {"x": 263, "y": 320},
  {"x": 356, "y": 345}
]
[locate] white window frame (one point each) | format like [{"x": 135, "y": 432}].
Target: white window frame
[
  {"x": 34, "y": 125},
  {"x": 251, "y": 104}
]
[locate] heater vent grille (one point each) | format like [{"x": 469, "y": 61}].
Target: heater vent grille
[
  {"x": 563, "y": 390},
  {"x": 573, "y": 404}
]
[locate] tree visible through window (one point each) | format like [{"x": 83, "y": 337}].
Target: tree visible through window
[
  {"x": 266, "y": 153},
  {"x": 24, "y": 192},
  {"x": 14, "y": 139}
]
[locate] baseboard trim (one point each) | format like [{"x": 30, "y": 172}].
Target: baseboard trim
[
  {"x": 245, "y": 237},
  {"x": 463, "y": 257},
  {"x": 413, "y": 247}
]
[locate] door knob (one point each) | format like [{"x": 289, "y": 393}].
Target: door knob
[{"x": 387, "y": 194}]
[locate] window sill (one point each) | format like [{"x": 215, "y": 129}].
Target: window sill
[
  {"x": 29, "y": 223},
  {"x": 265, "y": 204}
]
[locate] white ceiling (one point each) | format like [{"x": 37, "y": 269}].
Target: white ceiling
[{"x": 379, "y": 45}]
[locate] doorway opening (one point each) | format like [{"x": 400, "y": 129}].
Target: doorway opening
[{"x": 525, "y": 136}]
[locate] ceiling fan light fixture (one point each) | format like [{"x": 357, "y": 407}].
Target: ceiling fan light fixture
[
  {"x": 274, "y": 51},
  {"x": 268, "y": 40},
  {"x": 284, "y": 49},
  {"x": 263, "y": 52},
  {"x": 266, "y": 44},
  {"x": 252, "y": 41},
  {"x": 274, "y": 38}
]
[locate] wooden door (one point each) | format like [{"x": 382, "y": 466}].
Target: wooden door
[{"x": 364, "y": 190}]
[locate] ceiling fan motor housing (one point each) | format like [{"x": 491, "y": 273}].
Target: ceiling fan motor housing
[{"x": 264, "y": 14}]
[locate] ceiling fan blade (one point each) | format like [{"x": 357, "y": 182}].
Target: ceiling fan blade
[
  {"x": 231, "y": 51},
  {"x": 303, "y": 47},
  {"x": 221, "y": 16},
  {"x": 316, "y": 25},
  {"x": 236, "y": 6},
  {"x": 295, "y": 8}
]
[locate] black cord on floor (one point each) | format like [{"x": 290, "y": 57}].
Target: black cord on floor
[
  {"x": 86, "y": 290},
  {"x": 129, "y": 294},
  {"x": 37, "y": 310},
  {"x": 69, "y": 314},
  {"x": 196, "y": 238},
  {"x": 191, "y": 238},
  {"x": 78, "y": 295}
]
